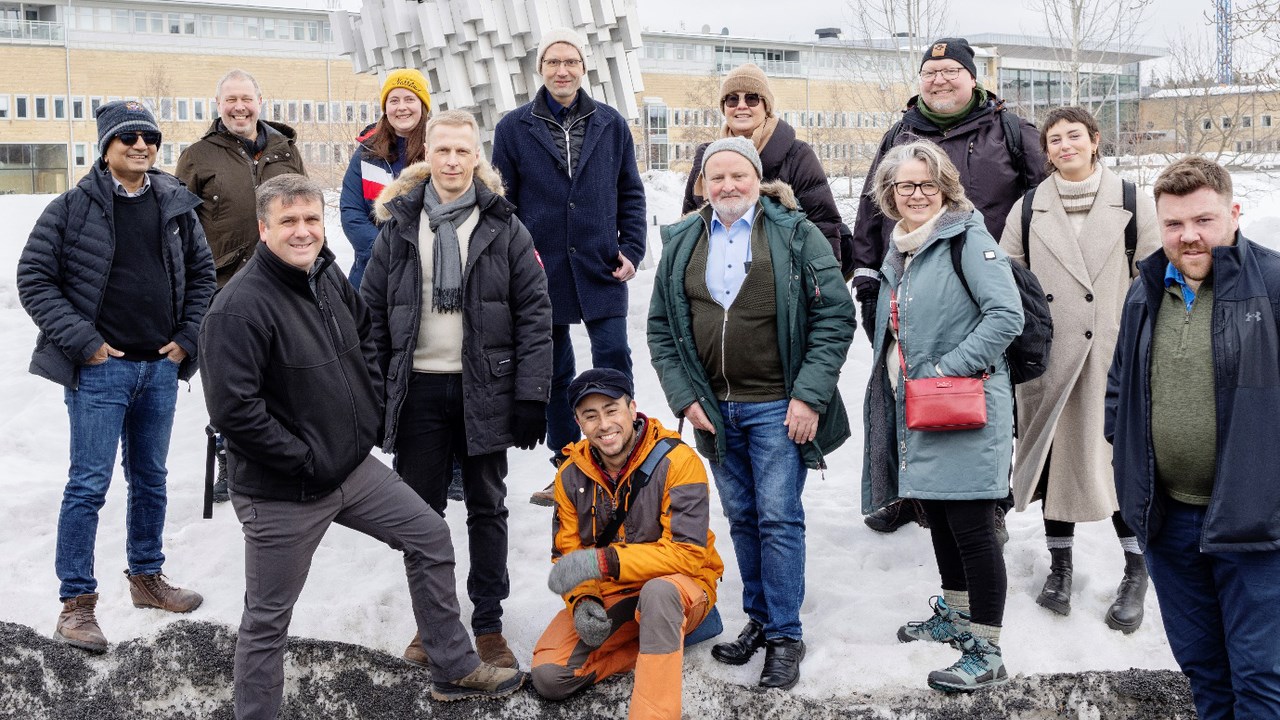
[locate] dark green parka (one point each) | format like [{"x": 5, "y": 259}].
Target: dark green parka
[{"x": 815, "y": 322}]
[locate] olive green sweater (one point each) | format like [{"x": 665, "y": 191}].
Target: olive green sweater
[
  {"x": 738, "y": 346},
  {"x": 1184, "y": 428}
]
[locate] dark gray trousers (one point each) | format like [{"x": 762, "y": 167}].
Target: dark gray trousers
[{"x": 280, "y": 537}]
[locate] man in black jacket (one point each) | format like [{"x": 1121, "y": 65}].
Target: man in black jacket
[
  {"x": 462, "y": 324},
  {"x": 292, "y": 380},
  {"x": 1191, "y": 399},
  {"x": 117, "y": 276}
]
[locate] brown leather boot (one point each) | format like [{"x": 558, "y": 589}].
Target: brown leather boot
[
  {"x": 77, "y": 625},
  {"x": 154, "y": 591},
  {"x": 492, "y": 648},
  {"x": 414, "y": 654}
]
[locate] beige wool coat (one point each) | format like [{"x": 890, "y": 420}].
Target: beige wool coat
[{"x": 1086, "y": 279}]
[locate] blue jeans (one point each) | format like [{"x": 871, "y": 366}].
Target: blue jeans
[
  {"x": 129, "y": 404},
  {"x": 609, "y": 349},
  {"x": 760, "y": 483},
  {"x": 1220, "y": 615}
]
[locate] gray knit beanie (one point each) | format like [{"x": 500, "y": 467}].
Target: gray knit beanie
[
  {"x": 562, "y": 35},
  {"x": 123, "y": 116},
  {"x": 740, "y": 145}
]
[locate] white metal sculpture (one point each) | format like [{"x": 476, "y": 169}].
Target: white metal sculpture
[{"x": 479, "y": 55}]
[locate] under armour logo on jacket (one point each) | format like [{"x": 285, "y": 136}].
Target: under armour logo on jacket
[{"x": 1253, "y": 316}]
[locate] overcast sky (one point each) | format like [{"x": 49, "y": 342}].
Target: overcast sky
[{"x": 797, "y": 19}]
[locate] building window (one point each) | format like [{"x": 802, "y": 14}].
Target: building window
[
  {"x": 82, "y": 154},
  {"x": 4, "y": 107},
  {"x": 166, "y": 108},
  {"x": 184, "y": 109},
  {"x": 292, "y": 106},
  {"x": 1226, "y": 122},
  {"x": 166, "y": 154},
  {"x": 1206, "y": 124},
  {"x": 94, "y": 104},
  {"x": 42, "y": 107},
  {"x": 322, "y": 112},
  {"x": 306, "y": 112},
  {"x": 77, "y": 108},
  {"x": 351, "y": 112},
  {"x": 364, "y": 112},
  {"x": 197, "y": 108},
  {"x": 59, "y": 108}
]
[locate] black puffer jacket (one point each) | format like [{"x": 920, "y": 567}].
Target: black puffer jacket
[
  {"x": 506, "y": 312},
  {"x": 793, "y": 162},
  {"x": 291, "y": 378},
  {"x": 62, "y": 274}
]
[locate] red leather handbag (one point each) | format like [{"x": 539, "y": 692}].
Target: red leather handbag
[{"x": 940, "y": 403}]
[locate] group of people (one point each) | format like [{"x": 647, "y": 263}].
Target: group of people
[{"x": 448, "y": 343}]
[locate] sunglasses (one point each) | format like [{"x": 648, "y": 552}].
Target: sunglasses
[
  {"x": 749, "y": 99},
  {"x": 131, "y": 138}
]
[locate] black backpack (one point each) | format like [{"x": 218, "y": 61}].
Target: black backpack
[
  {"x": 1130, "y": 200},
  {"x": 1028, "y": 354}
]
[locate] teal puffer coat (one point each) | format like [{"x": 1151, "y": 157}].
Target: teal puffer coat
[{"x": 941, "y": 326}]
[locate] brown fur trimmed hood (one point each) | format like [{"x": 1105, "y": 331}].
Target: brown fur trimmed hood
[{"x": 418, "y": 173}]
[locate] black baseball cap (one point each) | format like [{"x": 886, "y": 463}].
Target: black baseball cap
[{"x": 603, "y": 381}]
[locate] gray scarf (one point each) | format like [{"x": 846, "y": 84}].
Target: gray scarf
[{"x": 446, "y": 268}]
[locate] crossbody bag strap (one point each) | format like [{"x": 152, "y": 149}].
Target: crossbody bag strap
[{"x": 639, "y": 478}]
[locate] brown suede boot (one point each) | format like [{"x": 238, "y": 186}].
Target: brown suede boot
[
  {"x": 484, "y": 681},
  {"x": 77, "y": 625},
  {"x": 492, "y": 648},
  {"x": 154, "y": 591},
  {"x": 414, "y": 654}
]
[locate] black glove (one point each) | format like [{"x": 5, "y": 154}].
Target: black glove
[
  {"x": 529, "y": 425},
  {"x": 869, "y": 318}
]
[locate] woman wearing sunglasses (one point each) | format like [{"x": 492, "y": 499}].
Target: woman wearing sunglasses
[
  {"x": 387, "y": 147},
  {"x": 1076, "y": 248},
  {"x": 748, "y": 107},
  {"x": 929, "y": 326}
]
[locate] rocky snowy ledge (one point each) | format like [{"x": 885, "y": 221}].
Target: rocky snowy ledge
[{"x": 184, "y": 672}]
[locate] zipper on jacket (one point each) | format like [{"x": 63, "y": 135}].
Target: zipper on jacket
[{"x": 724, "y": 365}]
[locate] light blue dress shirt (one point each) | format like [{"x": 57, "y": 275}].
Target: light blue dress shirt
[{"x": 729, "y": 256}]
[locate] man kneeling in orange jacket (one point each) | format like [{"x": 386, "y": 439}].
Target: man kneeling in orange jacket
[{"x": 634, "y": 557}]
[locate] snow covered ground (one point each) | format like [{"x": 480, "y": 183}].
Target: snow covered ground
[{"x": 860, "y": 585}]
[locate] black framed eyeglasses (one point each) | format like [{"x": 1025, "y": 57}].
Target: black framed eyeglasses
[
  {"x": 733, "y": 100},
  {"x": 950, "y": 73},
  {"x": 130, "y": 138},
  {"x": 907, "y": 189}
]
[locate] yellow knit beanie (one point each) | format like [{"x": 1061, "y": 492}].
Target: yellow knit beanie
[{"x": 410, "y": 80}]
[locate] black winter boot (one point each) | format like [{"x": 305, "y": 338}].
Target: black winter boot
[
  {"x": 1056, "y": 594},
  {"x": 1125, "y": 614},
  {"x": 896, "y": 514},
  {"x": 220, "y": 490}
]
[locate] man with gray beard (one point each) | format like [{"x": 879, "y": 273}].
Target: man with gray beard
[{"x": 750, "y": 272}]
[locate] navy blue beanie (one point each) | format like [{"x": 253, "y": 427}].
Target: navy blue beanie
[{"x": 123, "y": 116}]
